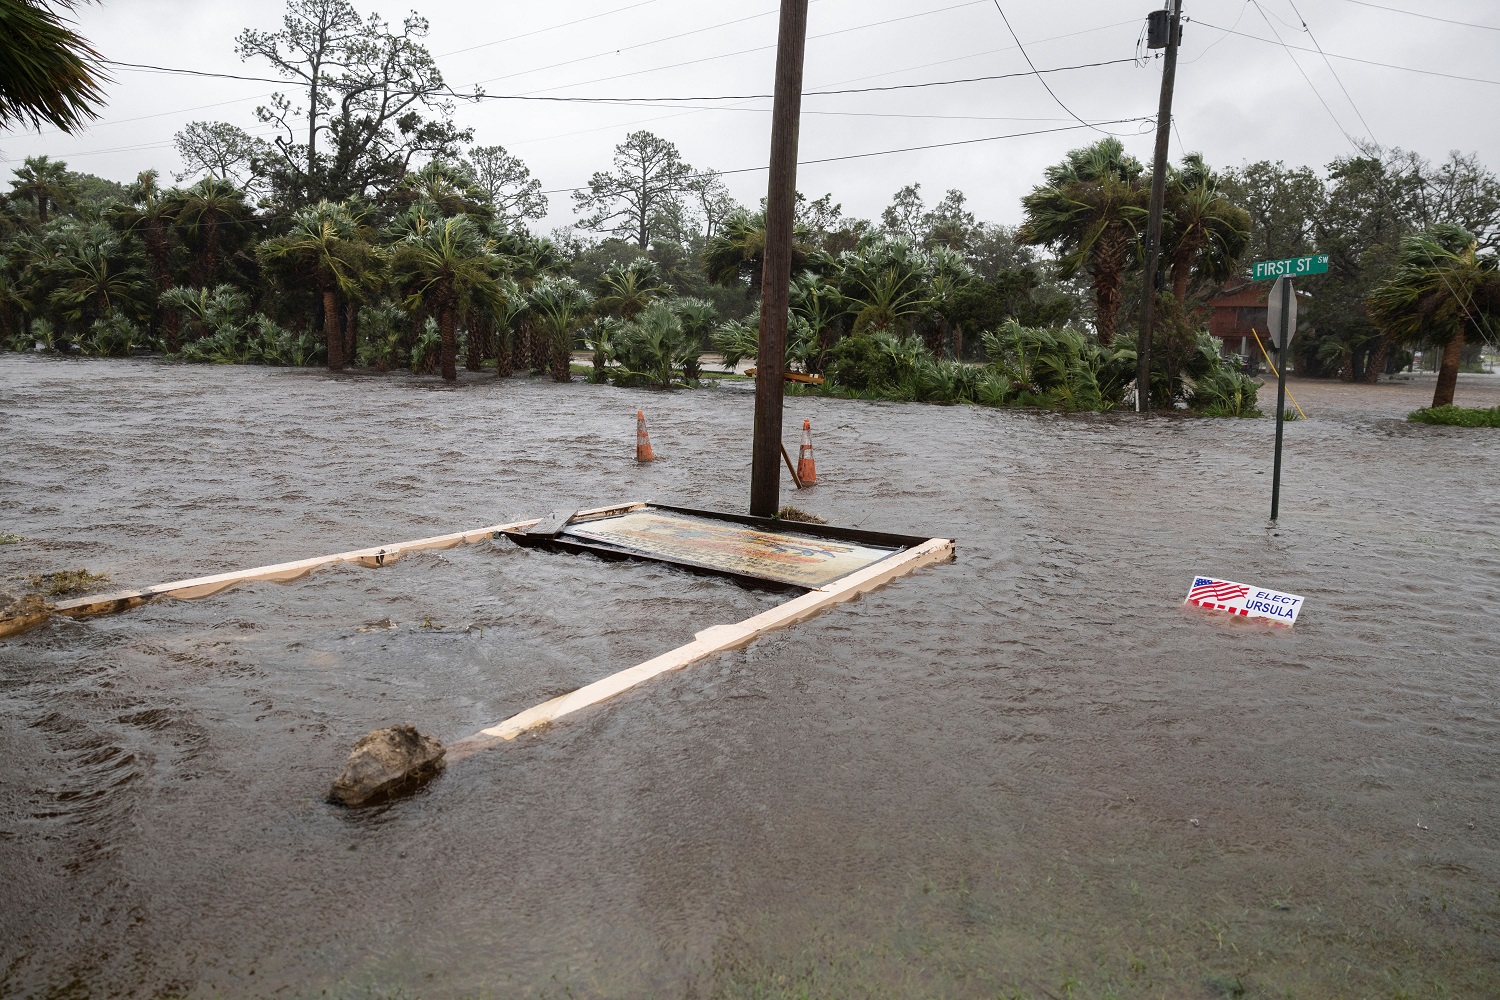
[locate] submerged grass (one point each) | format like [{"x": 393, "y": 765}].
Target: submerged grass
[
  {"x": 66, "y": 582},
  {"x": 1457, "y": 416}
]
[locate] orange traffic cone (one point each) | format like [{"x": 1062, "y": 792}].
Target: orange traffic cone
[
  {"x": 806, "y": 471},
  {"x": 643, "y": 451}
]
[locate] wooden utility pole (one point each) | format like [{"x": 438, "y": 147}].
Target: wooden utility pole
[
  {"x": 1158, "y": 201},
  {"x": 776, "y": 269}
]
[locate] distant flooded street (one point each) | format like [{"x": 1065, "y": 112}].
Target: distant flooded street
[{"x": 1030, "y": 771}]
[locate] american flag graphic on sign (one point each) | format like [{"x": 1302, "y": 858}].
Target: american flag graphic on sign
[
  {"x": 1208, "y": 590},
  {"x": 1244, "y": 600}
]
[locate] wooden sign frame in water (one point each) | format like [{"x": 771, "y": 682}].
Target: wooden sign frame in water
[
  {"x": 853, "y": 561},
  {"x": 755, "y": 551}
]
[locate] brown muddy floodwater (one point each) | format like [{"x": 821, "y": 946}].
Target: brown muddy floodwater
[{"x": 1030, "y": 772}]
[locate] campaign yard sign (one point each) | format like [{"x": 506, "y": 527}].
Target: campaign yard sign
[{"x": 1240, "y": 599}]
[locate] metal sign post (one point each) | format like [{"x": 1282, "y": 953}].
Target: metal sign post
[{"x": 1282, "y": 302}]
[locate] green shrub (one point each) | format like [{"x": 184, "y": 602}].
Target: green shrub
[
  {"x": 1224, "y": 392},
  {"x": 875, "y": 361},
  {"x": 1457, "y": 416}
]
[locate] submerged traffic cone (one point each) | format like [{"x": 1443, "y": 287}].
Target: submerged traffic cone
[
  {"x": 806, "y": 471},
  {"x": 643, "y": 451}
]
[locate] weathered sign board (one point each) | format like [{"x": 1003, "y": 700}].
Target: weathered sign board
[
  {"x": 1244, "y": 600},
  {"x": 754, "y": 550}
]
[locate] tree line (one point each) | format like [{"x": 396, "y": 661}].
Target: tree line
[{"x": 371, "y": 230}]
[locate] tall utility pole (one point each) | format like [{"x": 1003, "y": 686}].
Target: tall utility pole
[
  {"x": 776, "y": 269},
  {"x": 1173, "y": 19}
]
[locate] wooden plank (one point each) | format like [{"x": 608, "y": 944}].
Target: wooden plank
[
  {"x": 707, "y": 642},
  {"x": 796, "y": 480},
  {"x": 802, "y": 377},
  {"x": 553, "y": 524},
  {"x": 374, "y": 556}
]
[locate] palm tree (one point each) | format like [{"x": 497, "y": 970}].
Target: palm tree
[
  {"x": 817, "y": 301},
  {"x": 328, "y": 245},
  {"x": 1443, "y": 292},
  {"x": 1089, "y": 212},
  {"x": 213, "y": 215},
  {"x": 96, "y": 275},
  {"x": 887, "y": 285},
  {"x": 447, "y": 270},
  {"x": 951, "y": 274},
  {"x": 737, "y": 252},
  {"x": 1205, "y": 233},
  {"x": 48, "y": 73},
  {"x": 42, "y": 182},
  {"x": 446, "y": 186},
  {"x": 558, "y": 307},
  {"x": 626, "y": 289},
  {"x": 697, "y": 317},
  {"x": 148, "y": 214}
]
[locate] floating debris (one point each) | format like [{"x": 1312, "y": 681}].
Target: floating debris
[{"x": 66, "y": 582}]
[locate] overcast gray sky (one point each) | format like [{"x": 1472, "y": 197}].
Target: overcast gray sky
[{"x": 1238, "y": 99}]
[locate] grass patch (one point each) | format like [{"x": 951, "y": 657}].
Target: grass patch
[
  {"x": 6, "y": 538},
  {"x": 790, "y": 513},
  {"x": 1456, "y": 416},
  {"x": 66, "y": 582}
]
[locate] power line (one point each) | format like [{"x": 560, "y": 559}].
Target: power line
[
  {"x": 1430, "y": 17},
  {"x": 627, "y": 101},
  {"x": 1038, "y": 75},
  {"x": 552, "y": 27},
  {"x": 1335, "y": 55},
  {"x": 1311, "y": 86},
  {"x": 740, "y": 52},
  {"x": 627, "y": 48},
  {"x": 889, "y": 152},
  {"x": 1347, "y": 96},
  {"x": 871, "y": 76}
]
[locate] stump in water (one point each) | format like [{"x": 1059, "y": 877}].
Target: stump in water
[{"x": 386, "y": 762}]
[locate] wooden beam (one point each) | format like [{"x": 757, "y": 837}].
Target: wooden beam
[
  {"x": 203, "y": 586},
  {"x": 707, "y": 642}
]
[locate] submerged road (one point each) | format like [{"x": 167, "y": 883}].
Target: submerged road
[{"x": 1028, "y": 772}]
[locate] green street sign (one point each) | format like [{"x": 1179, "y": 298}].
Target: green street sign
[{"x": 1292, "y": 267}]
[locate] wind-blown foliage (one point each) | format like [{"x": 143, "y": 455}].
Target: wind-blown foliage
[
  {"x": 1443, "y": 292},
  {"x": 48, "y": 73}
]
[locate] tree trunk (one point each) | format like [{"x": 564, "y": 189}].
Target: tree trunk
[
  {"x": 351, "y": 331},
  {"x": 562, "y": 357},
  {"x": 208, "y": 264},
  {"x": 1375, "y": 364},
  {"x": 331, "y": 334},
  {"x": 541, "y": 350},
  {"x": 474, "y": 344},
  {"x": 505, "y": 363},
  {"x": 447, "y": 324},
  {"x": 1447, "y": 380},
  {"x": 958, "y": 341},
  {"x": 1106, "y": 305}
]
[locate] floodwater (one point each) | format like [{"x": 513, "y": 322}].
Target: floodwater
[{"x": 1029, "y": 772}]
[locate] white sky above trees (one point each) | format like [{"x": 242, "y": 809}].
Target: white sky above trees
[{"x": 1237, "y": 99}]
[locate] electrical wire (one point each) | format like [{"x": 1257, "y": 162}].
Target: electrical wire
[
  {"x": 1347, "y": 96},
  {"x": 552, "y": 27},
  {"x": 1335, "y": 55},
  {"x": 627, "y": 101},
  {"x": 1311, "y": 86},
  {"x": 1430, "y": 17},
  {"x": 887, "y": 152},
  {"x": 740, "y": 52},
  {"x": 1038, "y": 75}
]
